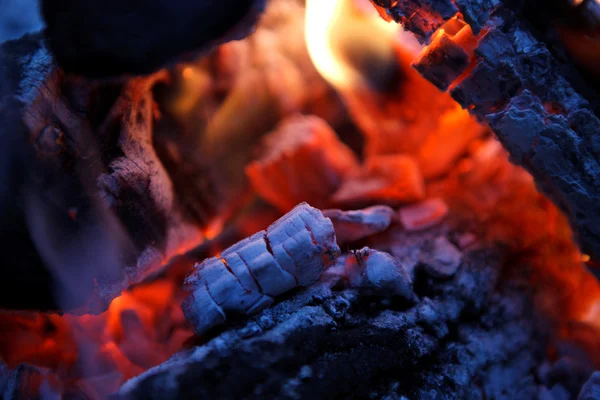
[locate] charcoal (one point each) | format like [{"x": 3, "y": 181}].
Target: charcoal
[
  {"x": 467, "y": 337},
  {"x": 442, "y": 63},
  {"x": 87, "y": 207},
  {"x": 383, "y": 179},
  {"x": 302, "y": 160},
  {"x": 536, "y": 101},
  {"x": 422, "y": 17},
  {"x": 140, "y": 37}
]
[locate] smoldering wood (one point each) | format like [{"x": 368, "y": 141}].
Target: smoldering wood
[
  {"x": 301, "y": 160},
  {"x": 202, "y": 163},
  {"x": 470, "y": 336},
  {"x": 247, "y": 277},
  {"x": 532, "y": 95},
  {"x": 382, "y": 179},
  {"x": 87, "y": 206},
  {"x": 139, "y": 37}
]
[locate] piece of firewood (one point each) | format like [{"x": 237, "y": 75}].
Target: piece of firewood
[
  {"x": 302, "y": 160},
  {"x": 245, "y": 278},
  {"x": 522, "y": 84},
  {"x": 354, "y": 225},
  {"x": 88, "y": 208},
  {"x": 389, "y": 179},
  {"x": 139, "y": 37},
  {"x": 324, "y": 342}
]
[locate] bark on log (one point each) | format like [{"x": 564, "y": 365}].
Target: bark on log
[
  {"x": 469, "y": 336},
  {"x": 523, "y": 84},
  {"x": 139, "y": 37}
]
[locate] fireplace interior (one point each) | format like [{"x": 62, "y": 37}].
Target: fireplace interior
[{"x": 300, "y": 199}]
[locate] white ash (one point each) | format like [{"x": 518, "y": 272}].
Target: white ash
[
  {"x": 294, "y": 251},
  {"x": 379, "y": 271},
  {"x": 354, "y": 225}
]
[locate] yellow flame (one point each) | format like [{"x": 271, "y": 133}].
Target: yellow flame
[{"x": 331, "y": 26}]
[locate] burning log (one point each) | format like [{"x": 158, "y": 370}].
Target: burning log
[
  {"x": 246, "y": 277},
  {"x": 521, "y": 83},
  {"x": 457, "y": 338},
  {"x": 112, "y": 39},
  {"x": 88, "y": 207},
  {"x": 302, "y": 160}
]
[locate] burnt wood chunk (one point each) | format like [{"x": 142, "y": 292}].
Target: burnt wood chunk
[
  {"x": 294, "y": 251},
  {"x": 302, "y": 160},
  {"x": 384, "y": 179},
  {"x": 138, "y": 37},
  {"x": 472, "y": 336},
  {"x": 87, "y": 207},
  {"x": 533, "y": 96}
]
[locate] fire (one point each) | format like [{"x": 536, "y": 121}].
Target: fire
[
  {"x": 346, "y": 38},
  {"x": 405, "y": 121}
]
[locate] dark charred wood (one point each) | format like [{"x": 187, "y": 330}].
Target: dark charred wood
[
  {"x": 474, "y": 335},
  {"x": 540, "y": 105},
  {"x": 86, "y": 206},
  {"x": 138, "y": 37}
]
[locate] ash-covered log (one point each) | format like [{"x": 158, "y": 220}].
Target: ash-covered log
[
  {"x": 468, "y": 333},
  {"x": 521, "y": 82},
  {"x": 139, "y": 37}
]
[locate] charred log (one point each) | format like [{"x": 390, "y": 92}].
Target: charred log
[
  {"x": 532, "y": 96},
  {"x": 139, "y": 37},
  {"x": 87, "y": 207},
  {"x": 470, "y": 335}
]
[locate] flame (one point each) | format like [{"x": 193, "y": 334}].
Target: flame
[{"x": 337, "y": 30}]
